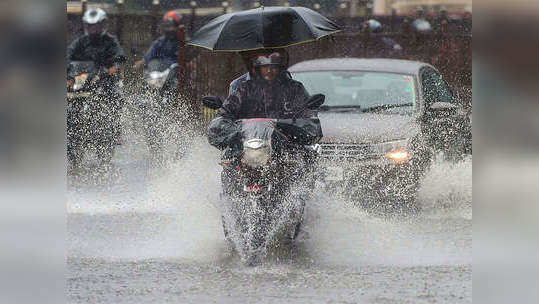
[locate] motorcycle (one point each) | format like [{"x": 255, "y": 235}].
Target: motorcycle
[
  {"x": 268, "y": 174},
  {"x": 156, "y": 105},
  {"x": 93, "y": 104}
]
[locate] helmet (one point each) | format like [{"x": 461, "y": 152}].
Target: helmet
[
  {"x": 419, "y": 11},
  {"x": 372, "y": 26},
  {"x": 94, "y": 16},
  {"x": 249, "y": 56},
  {"x": 95, "y": 22},
  {"x": 421, "y": 26},
  {"x": 274, "y": 58},
  {"x": 172, "y": 18}
]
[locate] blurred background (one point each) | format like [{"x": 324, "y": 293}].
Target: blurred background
[
  {"x": 505, "y": 103},
  {"x": 438, "y": 32}
]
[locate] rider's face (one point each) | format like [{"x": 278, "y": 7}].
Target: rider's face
[
  {"x": 169, "y": 29},
  {"x": 95, "y": 29},
  {"x": 269, "y": 72}
]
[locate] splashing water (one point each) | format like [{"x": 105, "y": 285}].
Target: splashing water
[
  {"x": 342, "y": 234},
  {"x": 171, "y": 213}
]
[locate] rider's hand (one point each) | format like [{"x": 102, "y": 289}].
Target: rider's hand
[{"x": 113, "y": 70}]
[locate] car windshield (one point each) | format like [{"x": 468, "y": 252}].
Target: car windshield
[{"x": 362, "y": 90}]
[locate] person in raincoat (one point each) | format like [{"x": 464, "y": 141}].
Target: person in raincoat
[
  {"x": 96, "y": 44},
  {"x": 248, "y": 57},
  {"x": 165, "y": 48},
  {"x": 267, "y": 91},
  {"x": 102, "y": 48}
]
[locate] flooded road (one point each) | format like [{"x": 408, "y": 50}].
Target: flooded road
[{"x": 154, "y": 236}]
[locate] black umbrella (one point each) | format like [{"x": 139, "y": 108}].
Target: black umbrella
[{"x": 265, "y": 27}]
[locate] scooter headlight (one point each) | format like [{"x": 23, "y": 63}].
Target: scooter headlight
[
  {"x": 157, "y": 79},
  {"x": 80, "y": 80},
  {"x": 256, "y": 153}
]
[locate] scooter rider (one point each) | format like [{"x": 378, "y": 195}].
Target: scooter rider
[
  {"x": 248, "y": 57},
  {"x": 105, "y": 52},
  {"x": 102, "y": 48},
  {"x": 271, "y": 92},
  {"x": 267, "y": 91},
  {"x": 166, "y": 47},
  {"x": 96, "y": 44}
]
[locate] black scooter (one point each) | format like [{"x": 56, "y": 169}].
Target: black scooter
[
  {"x": 93, "y": 113},
  {"x": 156, "y": 106},
  {"x": 268, "y": 174}
]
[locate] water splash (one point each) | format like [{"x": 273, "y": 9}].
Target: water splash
[
  {"x": 342, "y": 234},
  {"x": 170, "y": 213}
]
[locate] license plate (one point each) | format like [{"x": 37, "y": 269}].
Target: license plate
[
  {"x": 334, "y": 174},
  {"x": 255, "y": 188}
]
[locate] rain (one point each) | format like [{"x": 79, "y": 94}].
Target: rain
[{"x": 369, "y": 200}]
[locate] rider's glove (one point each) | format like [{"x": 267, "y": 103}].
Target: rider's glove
[{"x": 223, "y": 133}]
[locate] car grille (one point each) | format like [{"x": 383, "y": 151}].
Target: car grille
[{"x": 348, "y": 152}]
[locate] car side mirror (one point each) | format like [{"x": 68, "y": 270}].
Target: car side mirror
[
  {"x": 441, "y": 110},
  {"x": 212, "y": 102},
  {"x": 316, "y": 101}
]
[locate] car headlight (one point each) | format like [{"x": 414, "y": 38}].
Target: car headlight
[
  {"x": 399, "y": 155},
  {"x": 256, "y": 153},
  {"x": 397, "y": 150}
]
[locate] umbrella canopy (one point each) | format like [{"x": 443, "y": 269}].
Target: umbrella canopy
[{"x": 265, "y": 27}]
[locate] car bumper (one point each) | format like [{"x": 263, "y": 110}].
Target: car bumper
[{"x": 368, "y": 175}]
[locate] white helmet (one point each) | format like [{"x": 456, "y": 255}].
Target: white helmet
[
  {"x": 374, "y": 26},
  {"x": 93, "y": 16},
  {"x": 421, "y": 25},
  {"x": 95, "y": 22}
]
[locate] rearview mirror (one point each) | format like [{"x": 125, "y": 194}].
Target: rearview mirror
[
  {"x": 441, "y": 110},
  {"x": 212, "y": 102},
  {"x": 316, "y": 101}
]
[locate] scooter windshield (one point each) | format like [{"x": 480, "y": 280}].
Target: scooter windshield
[
  {"x": 257, "y": 128},
  {"x": 80, "y": 67},
  {"x": 157, "y": 65}
]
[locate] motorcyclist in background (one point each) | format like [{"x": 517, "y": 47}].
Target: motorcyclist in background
[
  {"x": 163, "y": 54},
  {"x": 96, "y": 44},
  {"x": 166, "y": 47},
  {"x": 104, "y": 50}
]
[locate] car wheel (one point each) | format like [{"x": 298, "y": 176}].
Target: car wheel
[
  {"x": 456, "y": 151},
  {"x": 394, "y": 200}
]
